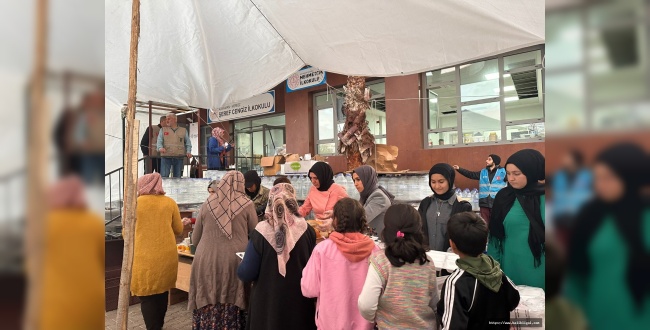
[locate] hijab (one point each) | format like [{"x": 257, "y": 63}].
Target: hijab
[
  {"x": 283, "y": 225},
  {"x": 324, "y": 174},
  {"x": 448, "y": 172},
  {"x": 67, "y": 193},
  {"x": 531, "y": 164},
  {"x": 368, "y": 177},
  {"x": 217, "y": 133},
  {"x": 626, "y": 161},
  {"x": 228, "y": 201},
  {"x": 150, "y": 184}
]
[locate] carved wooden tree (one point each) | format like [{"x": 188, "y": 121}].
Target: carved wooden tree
[{"x": 357, "y": 143}]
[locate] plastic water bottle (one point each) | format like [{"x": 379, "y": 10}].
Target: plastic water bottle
[
  {"x": 459, "y": 193},
  {"x": 475, "y": 205},
  {"x": 466, "y": 193}
]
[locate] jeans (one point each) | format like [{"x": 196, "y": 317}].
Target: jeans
[{"x": 175, "y": 163}]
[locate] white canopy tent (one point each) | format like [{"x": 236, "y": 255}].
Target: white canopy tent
[{"x": 210, "y": 53}]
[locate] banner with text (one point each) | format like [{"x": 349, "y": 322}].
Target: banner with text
[
  {"x": 256, "y": 105},
  {"x": 305, "y": 78}
]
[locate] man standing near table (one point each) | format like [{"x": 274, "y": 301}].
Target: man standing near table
[
  {"x": 491, "y": 179},
  {"x": 174, "y": 145}
]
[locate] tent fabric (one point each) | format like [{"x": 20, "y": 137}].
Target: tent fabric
[{"x": 211, "y": 53}]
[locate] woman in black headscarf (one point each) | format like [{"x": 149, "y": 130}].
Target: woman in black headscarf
[
  {"x": 518, "y": 220},
  {"x": 324, "y": 193},
  {"x": 436, "y": 209},
  {"x": 609, "y": 248}
]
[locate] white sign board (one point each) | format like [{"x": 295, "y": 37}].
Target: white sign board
[
  {"x": 256, "y": 105},
  {"x": 305, "y": 78},
  {"x": 194, "y": 138}
]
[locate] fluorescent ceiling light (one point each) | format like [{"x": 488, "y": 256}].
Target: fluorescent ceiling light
[
  {"x": 492, "y": 76},
  {"x": 508, "y": 88},
  {"x": 512, "y": 98},
  {"x": 433, "y": 100},
  {"x": 447, "y": 70},
  {"x": 506, "y": 75},
  {"x": 429, "y": 74}
]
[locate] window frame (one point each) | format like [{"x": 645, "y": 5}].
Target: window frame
[
  {"x": 458, "y": 129},
  {"x": 335, "y": 117}
]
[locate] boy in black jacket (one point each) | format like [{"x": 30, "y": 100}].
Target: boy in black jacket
[{"x": 477, "y": 295}]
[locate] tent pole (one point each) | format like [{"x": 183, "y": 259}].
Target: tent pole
[
  {"x": 130, "y": 173},
  {"x": 37, "y": 142}
]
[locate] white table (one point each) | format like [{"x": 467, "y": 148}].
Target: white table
[{"x": 443, "y": 260}]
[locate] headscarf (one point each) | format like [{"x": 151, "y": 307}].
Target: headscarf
[
  {"x": 283, "y": 225},
  {"x": 495, "y": 158},
  {"x": 228, "y": 201},
  {"x": 217, "y": 133},
  {"x": 324, "y": 174},
  {"x": 67, "y": 193},
  {"x": 368, "y": 177},
  {"x": 150, "y": 184},
  {"x": 251, "y": 177},
  {"x": 448, "y": 172},
  {"x": 531, "y": 164},
  {"x": 631, "y": 165}
]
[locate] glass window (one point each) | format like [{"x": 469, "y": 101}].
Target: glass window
[
  {"x": 525, "y": 131},
  {"x": 566, "y": 96},
  {"x": 522, "y": 60},
  {"x": 326, "y": 148},
  {"x": 443, "y": 106},
  {"x": 479, "y": 80},
  {"x": 442, "y": 138},
  {"x": 326, "y": 124},
  {"x": 323, "y": 100},
  {"x": 482, "y": 122},
  {"x": 438, "y": 76},
  {"x": 380, "y": 141},
  {"x": 564, "y": 40},
  {"x": 522, "y": 93}
]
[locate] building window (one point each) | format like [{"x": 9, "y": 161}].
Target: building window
[
  {"x": 330, "y": 119},
  {"x": 496, "y": 100}
]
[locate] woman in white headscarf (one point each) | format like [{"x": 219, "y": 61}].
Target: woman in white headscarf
[{"x": 277, "y": 252}]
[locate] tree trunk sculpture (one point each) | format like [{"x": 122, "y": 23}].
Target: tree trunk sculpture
[{"x": 357, "y": 143}]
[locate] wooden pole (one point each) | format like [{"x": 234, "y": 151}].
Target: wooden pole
[
  {"x": 130, "y": 173},
  {"x": 37, "y": 143}
]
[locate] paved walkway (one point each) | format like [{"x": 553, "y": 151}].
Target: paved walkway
[{"x": 177, "y": 318}]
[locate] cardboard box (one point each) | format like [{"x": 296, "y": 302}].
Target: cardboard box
[
  {"x": 384, "y": 158},
  {"x": 292, "y": 158},
  {"x": 272, "y": 165},
  {"x": 299, "y": 167}
]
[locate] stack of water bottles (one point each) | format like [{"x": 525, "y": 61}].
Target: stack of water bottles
[
  {"x": 469, "y": 195},
  {"x": 186, "y": 190}
]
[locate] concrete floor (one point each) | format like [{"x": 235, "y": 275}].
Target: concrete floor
[{"x": 177, "y": 318}]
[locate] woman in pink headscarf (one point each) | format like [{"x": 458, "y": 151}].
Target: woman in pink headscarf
[
  {"x": 155, "y": 259},
  {"x": 217, "y": 149}
]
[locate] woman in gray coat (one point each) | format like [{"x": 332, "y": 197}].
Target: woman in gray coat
[{"x": 374, "y": 198}]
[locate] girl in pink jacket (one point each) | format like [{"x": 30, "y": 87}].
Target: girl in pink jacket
[{"x": 337, "y": 269}]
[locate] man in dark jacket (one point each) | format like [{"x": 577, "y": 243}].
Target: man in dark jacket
[
  {"x": 491, "y": 179},
  {"x": 148, "y": 147},
  {"x": 477, "y": 295}
]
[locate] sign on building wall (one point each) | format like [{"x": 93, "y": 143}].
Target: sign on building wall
[
  {"x": 194, "y": 138},
  {"x": 305, "y": 78},
  {"x": 254, "y": 106}
]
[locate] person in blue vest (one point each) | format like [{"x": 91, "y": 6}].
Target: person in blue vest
[
  {"x": 491, "y": 179},
  {"x": 572, "y": 187}
]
